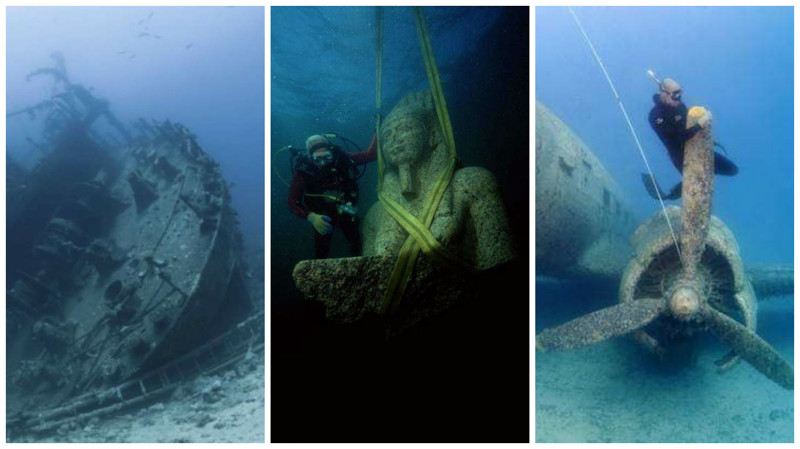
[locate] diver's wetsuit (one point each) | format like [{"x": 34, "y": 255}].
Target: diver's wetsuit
[
  {"x": 336, "y": 178},
  {"x": 669, "y": 123}
]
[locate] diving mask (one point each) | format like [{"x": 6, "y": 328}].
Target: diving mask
[
  {"x": 322, "y": 158},
  {"x": 675, "y": 95}
]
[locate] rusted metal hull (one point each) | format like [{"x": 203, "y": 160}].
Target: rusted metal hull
[{"x": 139, "y": 262}]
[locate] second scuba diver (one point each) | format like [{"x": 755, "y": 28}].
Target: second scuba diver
[
  {"x": 668, "y": 120},
  {"x": 324, "y": 191}
]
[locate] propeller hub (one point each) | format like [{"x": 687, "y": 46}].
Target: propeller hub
[{"x": 684, "y": 302}]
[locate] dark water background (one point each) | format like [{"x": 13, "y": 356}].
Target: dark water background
[
  {"x": 215, "y": 86},
  {"x": 738, "y": 62},
  {"x": 450, "y": 380}
]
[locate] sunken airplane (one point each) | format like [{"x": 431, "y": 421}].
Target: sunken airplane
[
  {"x": 125, "y": 266},
  {"x": 585, "y": 230},
  {"x": 584, "y": 222}
]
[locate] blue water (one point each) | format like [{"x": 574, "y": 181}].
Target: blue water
[
  {"x": 737, "y": 62},
  {"x": 215, "y": 86}
]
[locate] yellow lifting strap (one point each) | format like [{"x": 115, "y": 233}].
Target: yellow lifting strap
[
  {"x": 275, "y": 167},
  {"x": 420, "y": 237}
]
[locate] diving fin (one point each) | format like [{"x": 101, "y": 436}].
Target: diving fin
[
  {"x": 720, "y": 146},
  {"x": 675, "y": 193},
  {"x": 654, "y": 189}
]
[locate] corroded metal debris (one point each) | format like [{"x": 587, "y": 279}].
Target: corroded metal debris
[{"x": 238, "y": 343}]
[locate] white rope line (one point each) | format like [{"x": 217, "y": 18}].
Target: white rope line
[{"x": 630, "y": 126}]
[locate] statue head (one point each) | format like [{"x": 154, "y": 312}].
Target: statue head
[{"x": 409, "y": 135}]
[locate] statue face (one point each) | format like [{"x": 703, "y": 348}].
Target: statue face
[{"x": 403, "y": 140}]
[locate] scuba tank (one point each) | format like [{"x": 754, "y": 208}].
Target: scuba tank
[
  {"x": 344, "y": 201},
  {"x": 295, "y": 153}
]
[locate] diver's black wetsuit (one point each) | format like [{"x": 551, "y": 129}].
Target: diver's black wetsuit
[
  {"x": 336, "y": 179},
  {"x": 669, "y": 123}
]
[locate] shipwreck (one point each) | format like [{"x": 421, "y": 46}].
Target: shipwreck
[{"x": 125, "y": 264}]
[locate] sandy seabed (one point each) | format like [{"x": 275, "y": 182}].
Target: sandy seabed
[
  {"x": 610, "y": 392},
  {"x": 224, "y": 408}
]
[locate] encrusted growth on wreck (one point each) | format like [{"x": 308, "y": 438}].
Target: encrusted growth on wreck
[{"x": 121, "y": 257}]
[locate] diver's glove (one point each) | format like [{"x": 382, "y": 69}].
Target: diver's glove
[{"x": 321, "y": 223}]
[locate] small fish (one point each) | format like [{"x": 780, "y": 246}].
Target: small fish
[
  {"x": 189, "y": 46},
  {"x": 132, "y": 56},
  {"x": 140, "y": 22},
  {"x": 150, "y": 15},
  {"x": 142, "y": 35},
  {"x": 122, "y": 52},
  {"x": 157, "y": 36}
]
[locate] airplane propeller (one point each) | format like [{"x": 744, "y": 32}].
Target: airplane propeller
[{"x": 683, "y": 300}]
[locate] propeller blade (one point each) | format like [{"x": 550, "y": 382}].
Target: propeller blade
[
  {"x": 698, "y": 184},
  {"x": 601, "y": 325},
  {"x": 750, "y": 347}
]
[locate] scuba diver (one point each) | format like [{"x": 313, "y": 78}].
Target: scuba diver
[
  {"x": 668, "y": 120},
  {"x": 324, "y": 191}
]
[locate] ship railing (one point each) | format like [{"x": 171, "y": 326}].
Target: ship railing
[{"x": 239, "y": 343}]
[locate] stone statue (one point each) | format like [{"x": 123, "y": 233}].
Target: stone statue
[{"x": 470, "y": 222}]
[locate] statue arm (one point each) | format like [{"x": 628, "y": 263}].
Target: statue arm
[
  {"x": 494, "y": 242},
  {"x": 368, "y": 231}
]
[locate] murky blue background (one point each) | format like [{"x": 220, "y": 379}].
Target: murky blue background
[{"x": 215, "y": 87}]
